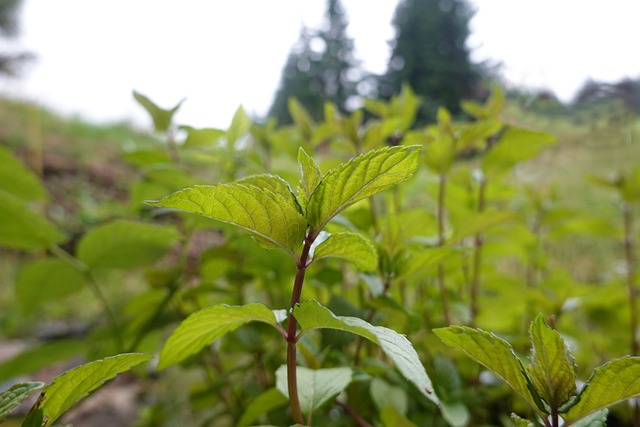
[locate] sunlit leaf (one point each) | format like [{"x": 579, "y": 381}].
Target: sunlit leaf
[
  {"x": 14, "y": 395},
  {"x": 272, "y": 219},
  {"x": 316, "y": 387},
  {"x": 72, "y": 386},
  {"x": 265, "y": 402},
  {"x": 19, "y": 180},
  {"x": 205, "y": 326},
  {"x": 552, "y": 366},
  {"x": 613, "y": 382},
  {"x": 494, "y": 353},
  {"x": 480, "y": 222},
  {"x": 351, "y": 247},
  {"x": 125, "y": 244},
  {"x": 22, "y": 228},
  {"x": 597, "y": 419},
  {"x": 358, "y": 179},
  {"x": 311, "y": 315},
  {"x": 301, "y": 118},
  {"x": 272, "y": 183}
]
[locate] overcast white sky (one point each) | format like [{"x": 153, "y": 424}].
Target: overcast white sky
[{"x": 221, "y": 54}]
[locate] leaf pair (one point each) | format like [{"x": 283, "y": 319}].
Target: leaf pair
[
  {"x": 205, "y": 326},
  {"x": 266, "y": 207},
  {"x": 548, "y": 384}
]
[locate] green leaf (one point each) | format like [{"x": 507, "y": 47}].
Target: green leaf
[
  {"x": 21, "y": 228},
  {"x": 272, "y": 183},
  {"x": 310, "y": 175},
  {"x": 19, "y": 180},
  {"x": 514, "y": 146},
  {"x": 521, "y": 422},
  {"x": 161, "y": 118},
  {"x": 33, "y": 419},
  {"x": 72, "y": 386},
  {"x": 391, "y": 417},
  {"x": 440, "y": 154},
  {"x": 480, "y": 222},
  {"x": 14, "y": 395},
  {"x": 265, "y": 402},
  {"x": 240, "y": 125},
  {"x": 125, "y": 244},
  {"x": 349, "y": 246},
  {"x": 358, "y": 179},
  {"x": 613, "y": 382},
  {"x": 301, "y": 118},
  {"x": 269, "y": 217},
  {"x": 316, "y": 387},
  {"x": 205, "y": 326},
  {"x": 494, "y": 353},
  {"x": 311, "y": 315},
  {"x": 552, "y": 369},
  {"x": 384, "y": 395},
  {"x": 202, "y": 137},
  {"x": 597, "y": 419},
  {"x": 46, "y": 280}
]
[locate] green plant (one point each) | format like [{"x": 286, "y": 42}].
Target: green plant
[
  {"x": 548, "y": 383},
  {"x": 267, "y": 208}
]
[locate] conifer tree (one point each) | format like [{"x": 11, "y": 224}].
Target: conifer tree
[
  {"x": 321, "y": 67},
  {"x": 430, "y": 54}
]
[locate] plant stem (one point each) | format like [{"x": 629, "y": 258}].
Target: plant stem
[
  {"x": 441, "y": 240},
  {"x": 95, "y": 287},
  {"x": 353, "y": 414},
  {"x": 631, "y": 285},
  {"x": 477, "y": 256},
  {"x": 292, "y": 375}
]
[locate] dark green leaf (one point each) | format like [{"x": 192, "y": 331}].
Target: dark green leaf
[
  {"x": 358, "y": 179},
  {"x": 552, "y": 366},
  {"x": 14, "y": 395},
  {"x": 205, "y": 326},
  {"x": 125, "y": 244},
  {"x": 269, "y": 217}
]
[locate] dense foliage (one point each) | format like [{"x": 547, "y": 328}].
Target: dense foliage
[{"x": 311, "y": 274}]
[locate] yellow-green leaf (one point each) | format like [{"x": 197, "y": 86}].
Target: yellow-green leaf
[
  {"x": 271, "y": 218},
  {"x": 358, "y": 179},
  {"x": 205, "y": 326},
  {"x": 494, "y": 353},
  {"x": 72, "y": 386},
  {"x": 125, "y": 244},
  {"x": 351, "y": 247}
]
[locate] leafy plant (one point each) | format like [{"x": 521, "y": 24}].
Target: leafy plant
[
  {"x": 267, "y": 208},
  {"x": 548, "y": 383}
]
